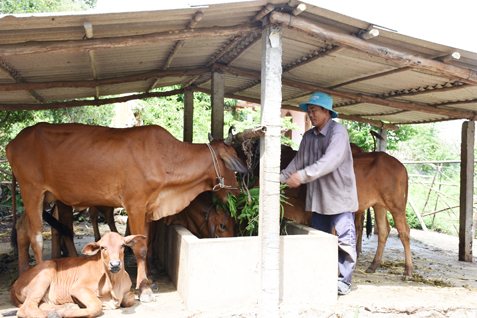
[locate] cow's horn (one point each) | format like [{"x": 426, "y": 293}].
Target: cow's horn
[
  {"x": 229, "y": 139},
  {"x": 210, "y": 138}
]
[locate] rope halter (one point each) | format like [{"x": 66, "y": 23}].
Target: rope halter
[{"x": 220, "y": 180}]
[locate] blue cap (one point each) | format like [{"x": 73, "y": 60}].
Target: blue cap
[{"x": 320, "y": 99}]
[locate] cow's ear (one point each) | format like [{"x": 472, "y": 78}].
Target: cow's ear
[
  {"x": 91, "y": 248},
  {"x": 133, "y": 239},
  {"x": 232, "y": 162}
]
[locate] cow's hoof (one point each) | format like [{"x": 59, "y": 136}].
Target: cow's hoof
[
  {"x": 370, "y": 270},
  {"x": 147, "y": 297},
  {"x": 154, "y": 287},
  {"x": 53, "y": 314}
]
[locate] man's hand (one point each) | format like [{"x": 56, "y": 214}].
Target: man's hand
[{"x": 294, "y": 180}]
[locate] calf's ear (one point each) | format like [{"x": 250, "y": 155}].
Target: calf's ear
[
  {"x": 133, "y": 239},
  {"x": 91, "y": 248}
]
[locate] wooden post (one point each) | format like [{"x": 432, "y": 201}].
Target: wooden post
[
  {"x": 217, "y": 99},
  {"x": 269, "y": 222},
  {"x": 188, "y": 115},
  {"x": 466, "y": 191},
  {"x": 382, "y": 145}
]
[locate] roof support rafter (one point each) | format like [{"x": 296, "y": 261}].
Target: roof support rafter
[
  {"x": 14, "y": 76},
  {"x": 359, "y": 45},
  {"x": 96, "y": 102},
  {"x": 103, "y": 81},
  {"x": 194, "y": 21},
  {"x": 124, "y": 41},
  {"x": 360, "y": 97}
]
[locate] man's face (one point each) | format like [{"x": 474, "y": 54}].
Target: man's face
[{"x": 318, "y": 116}]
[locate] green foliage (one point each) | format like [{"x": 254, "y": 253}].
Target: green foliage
[
  {"x": 360, "y": 134},
  {"x": 39, "y": 6},
  {"x": 245, "y": 209}
]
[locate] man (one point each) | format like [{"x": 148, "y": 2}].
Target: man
[{"x": 324, "y": 162}]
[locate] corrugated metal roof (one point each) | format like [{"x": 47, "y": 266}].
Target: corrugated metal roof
[{"x": 52, "y": 50}]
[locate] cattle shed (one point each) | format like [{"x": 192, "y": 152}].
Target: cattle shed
[{"x": 275, "y": 53}]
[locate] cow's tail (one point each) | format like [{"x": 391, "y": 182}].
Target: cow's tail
[
  {"x": 57, "y": 225},
  {"x": 13, "y": 236},
  {"x": 369, "y": 223}
]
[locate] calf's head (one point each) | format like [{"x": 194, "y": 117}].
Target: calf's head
[
  {"x": 112, "y": 246},
  {"x": 228, "y": 164},
  {"x": 220, "y": 224}
]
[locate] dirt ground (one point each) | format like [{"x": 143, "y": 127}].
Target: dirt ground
[{"x": 442, "y": 286}]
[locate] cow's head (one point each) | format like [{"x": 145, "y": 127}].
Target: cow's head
[
  {"x": 220, "y": 224},
  {"x": 112, "y": 246},
  {"x": 228, "y": 163}
]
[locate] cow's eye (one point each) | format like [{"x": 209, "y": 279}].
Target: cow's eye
[
  {"x": 223, "y": 227},
  {"x": 124, "y": 245},
  {"x": 103, "y": 248}
]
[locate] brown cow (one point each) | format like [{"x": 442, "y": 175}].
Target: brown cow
[
  {"x": 94, "y": 283},
  {"x": 203, "y": 219},
  {"x": 382, "y": 183},
  {"x": 143, "y": 169}
]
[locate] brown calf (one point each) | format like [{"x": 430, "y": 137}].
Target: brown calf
[{"x": 94, "y": 283}]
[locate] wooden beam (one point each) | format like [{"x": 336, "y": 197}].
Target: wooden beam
[
  {"x": 11, "y": 73},
  {"x": 266, "y": 10},
  {"x": 124, "y": 41},
  {"x": 359, "y": 45},
  {"x": 305, "y": 59},
  {"x": 359, "y": 97},
  {"x": 224, "y": 50},
  {"x": 92, "y": 63},
  {"x": 299, "y": 9},
  {"x": 195, "y": 19},
  {"x": 103, "y": 81},
  {"x": 243, "y": 50},
  {"x": 96, "y": 102}
]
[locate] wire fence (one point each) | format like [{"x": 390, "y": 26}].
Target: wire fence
[{"x": 434, "y": 195}]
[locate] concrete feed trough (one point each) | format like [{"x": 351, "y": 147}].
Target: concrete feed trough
[{"x": 225, "y": 271}]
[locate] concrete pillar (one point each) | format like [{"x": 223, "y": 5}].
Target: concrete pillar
[
  {"x": 188, "y": 115},
  {"x": 382, "y": 145},
  {"x": 269, "y": 222},
  {"x": 217, "y": 99},
  {"x": 466, "y": 191}
]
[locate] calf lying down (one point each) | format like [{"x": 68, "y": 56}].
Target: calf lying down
[{"x": 93, "y": 283}]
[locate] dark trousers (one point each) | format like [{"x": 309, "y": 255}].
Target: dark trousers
[{"x": 346, "y": 231}]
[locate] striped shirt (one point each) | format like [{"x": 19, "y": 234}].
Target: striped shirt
[{"x": 325, "y": 163}]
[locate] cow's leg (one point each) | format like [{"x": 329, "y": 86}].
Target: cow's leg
[
  {"x": 23, "y": 243},
  {"x": 55, "y": 237},
  {"x": 404, "y": 234},
  {"x": 33, "y": 209},
  {"x": 381, "y": 219},
  {"x": 86, "y": 298},
  {"x": 151, "y": 264},
  {"x": 66, "y": 217},
  {"x": 109, "y": 216},
  {"x": 30, "y": 290},
  {"x": 94, "y": 214},
  {"x": 358, "y": 223},
  {"x": 138, "y": 225}
]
